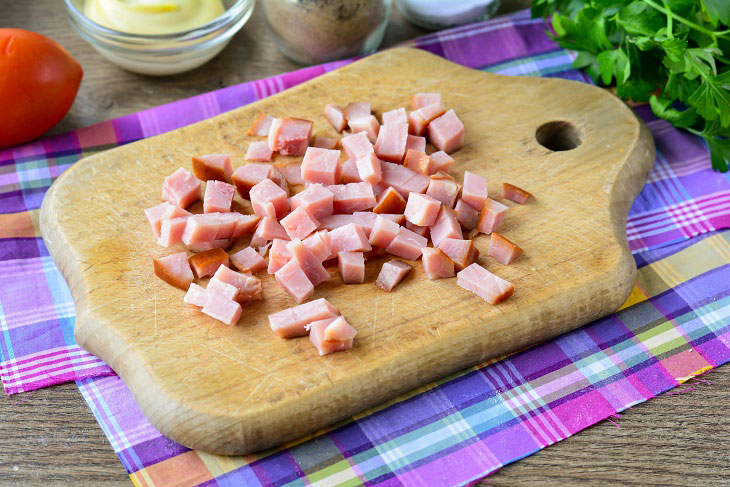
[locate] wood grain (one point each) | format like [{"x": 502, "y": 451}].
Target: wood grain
[
  {"x": 671, "y": 440},
  {"x": 234, "y": 390}
]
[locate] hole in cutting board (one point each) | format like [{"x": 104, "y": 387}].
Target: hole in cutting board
[{"x": 559, "y": 136}]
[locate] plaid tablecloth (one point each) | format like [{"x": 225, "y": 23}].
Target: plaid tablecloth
[{"x": 673, "y": 327}]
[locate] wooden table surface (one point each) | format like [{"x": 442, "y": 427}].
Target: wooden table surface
[{"x": 50, "y": 437}]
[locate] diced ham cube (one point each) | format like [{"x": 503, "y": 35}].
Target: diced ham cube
[
  {"x": 164, "y": 211},
  {"x": 441, "y": 161},
  {"x": 403, "y": 179},
  {"x": 369, "y": 168},
  {"x": 349, "y": 172},
  {"x": 491, "y": 216},
  {"x": 290, "y": 136},
  {"x": 227, "y": 223},
  {"x": 223, "y": 243},
  {"x": 196, "y": 295},
  {"x": 246, "y": 177},
  {"x": 291, "y": 322},
  {"x": 513, "y": 193},
  {"x": 446, "y": 226},
  {"x": 339, "y": 330},
  {"x": 213, "y": 166},
  {"x": 392, "y": 273},
  {"x": 321, "y": 166},
  {"x": 422, "y": 231},
  {"x": 443, "y": 175},
  {"x": 389, "y": 201},
  {"x": 261, "y": 125},
  {"x": 391, "y": 143},
  {"x": 356, "y": 110},
  {"x": 395, "y": 116},
  {"x": 461, "y": 252},
  {"x": 299, "y": 223},
  {"x": 467, "y": 214},
  {"x": 368, "y": 124},
  {"x": 357, "y": 145},
  {"x": 245, "y": 224},
  {"x": 249, "y": 287},
  {"x": 422, "y": 209},
  {"x": 444, "y": 190},
  {"x": 352, "y": 267},
  {"x": 420, "y": 100},
  {"x": 316, "y": 199},
  {"x": 222, "y": 289},
  {"x": 206, "y": 263},
  {"x": 416, "y": 143},
  {"x": 400, "y": 219},
  {"x": 324, "y": 347},
  {"x": 278, "y": 255},
  {"x": 325, "y": 142},
  {"x": 295, "y": 281},
  {"x": 383, "y": 232},
  {"x": 484, "y": 284},
  {"x": 268, "y": 229},
  {"x": 350, "y": 237},
  {"x": 201, "y": 228},
  {"x": 474, "y": 190},
  {"x": 418, "y": 161},
  {"x": 308, "y": 261},
  {"x": 419, "y": 120},
  {"x": 248, "y": 260},
  {"x": 222, "y": 309},
  {"x": 319, "y": 244},
  {"x": 335, "y": 116},
  {"x": 259, "y": 151},
  {"x": 503, "y": 250},
  {"x": 292, "y": 172},
  {"x": 436, "y": 264},
  {"x": 446, "y": 133},
  {"x": 174, "y": 270},
  {"x": 352, "y": 197},
  {"x": 218, "y": 197},
  {"x": 407, "y": 244},
  {"x": 268, "y": 199},
  {"x": 181, "y": 188}
]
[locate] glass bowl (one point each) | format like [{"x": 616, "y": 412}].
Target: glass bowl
[{"x": 160, "y": 55}]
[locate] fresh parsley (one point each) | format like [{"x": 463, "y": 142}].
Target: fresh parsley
[{"x": 675, "y": 54}]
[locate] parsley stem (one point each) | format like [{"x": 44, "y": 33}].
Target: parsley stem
[
  {"x": 686, "y": 22},
  {"x": 669, "y": 20}
]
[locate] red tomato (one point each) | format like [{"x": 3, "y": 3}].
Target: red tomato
[{"x": 38, "y": 83}]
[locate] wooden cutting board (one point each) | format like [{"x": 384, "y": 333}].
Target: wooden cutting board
[{"x": 234, "y": 390}]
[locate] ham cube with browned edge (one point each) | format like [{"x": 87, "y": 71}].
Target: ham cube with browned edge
[
  {"x": 308, "y": 261},
  {"x": 441, "y": 161},
  {"x": 249, "y": 287},
  {"x": 279, "y": 255},
  {"x": 357, "y": 145},
  {"x": 395, "y": 116},
  {"x": 290, "y": 136},
  {"x": 349, "y": 172},
  {"x": 319, "y": 244},
  {"x": 467, "y": 214},
  {"x": 222, "y": 309},
  {"x": 181, "y": 188},
  {"x": 268, "y": 199},
  {"x": 325, "y": 142},
  {"x": 391, "y": 143},
  {"x": 196, "y": 295},
  {"x": 446, "y": 226},
  {"x": 295, "y": 281},
  {"x": 246, "y": 177},
  {"x": 259, "y": 151},
  {"x": 369, "y": 168},
  {"x": 418, "y": 161},
  {"x": 407, "y": 244},
  {"x": 369, "y": 125},
  {"x": 299, "y": 223},
  {"x": 391, "y": 274},
  {"x": 248, "y": 260},
  {"x": 446, "y": 133},
  {"x": 268, "y": 229},
  {"x": 174, "y": 269},
  {"x": 352, "y": 267},
  {"x": 331, "y": 335},
  {"x": 213, "y": 166},
  {"x": 321, "y": 166},
  {"x": 461, "y": 252},
  {"x": 422, "y": 210},
  {"x": 218, "y": 197},
  {"x": 223, "y": 243},
  {"x": 420, "y": 100},
  {"x": 503, "y": 250},
  {"x": 513, "y": 193},
  {"x": 383, "y": 232},
  {"x": 335, "y": 116},
  {"x": 261, "y": 125},
  {"x": 206, "y": 263},
  {"x": 390, "y": 201},
  {"x": 316, "y": 199},
  {"x": 419, "y": 120},
  {"x": 491, "y": 288},
  {"x": 355, "y": 110},
  {"x": 352, "y": 197},
  {"x": 474, "y": 190},
  {"x": 436, "y": 264},
  {"x": 164, "y": 211},
  {"x": 491, "y": 216},
  {"x": 350, "y": 237},
  {"x": 292, "y": 322}
]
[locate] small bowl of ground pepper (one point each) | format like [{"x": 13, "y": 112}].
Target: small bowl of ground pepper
[{"x": 317, "y": 31}]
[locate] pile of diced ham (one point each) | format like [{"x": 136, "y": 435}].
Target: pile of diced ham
[{"x": 388, "y": 196}]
